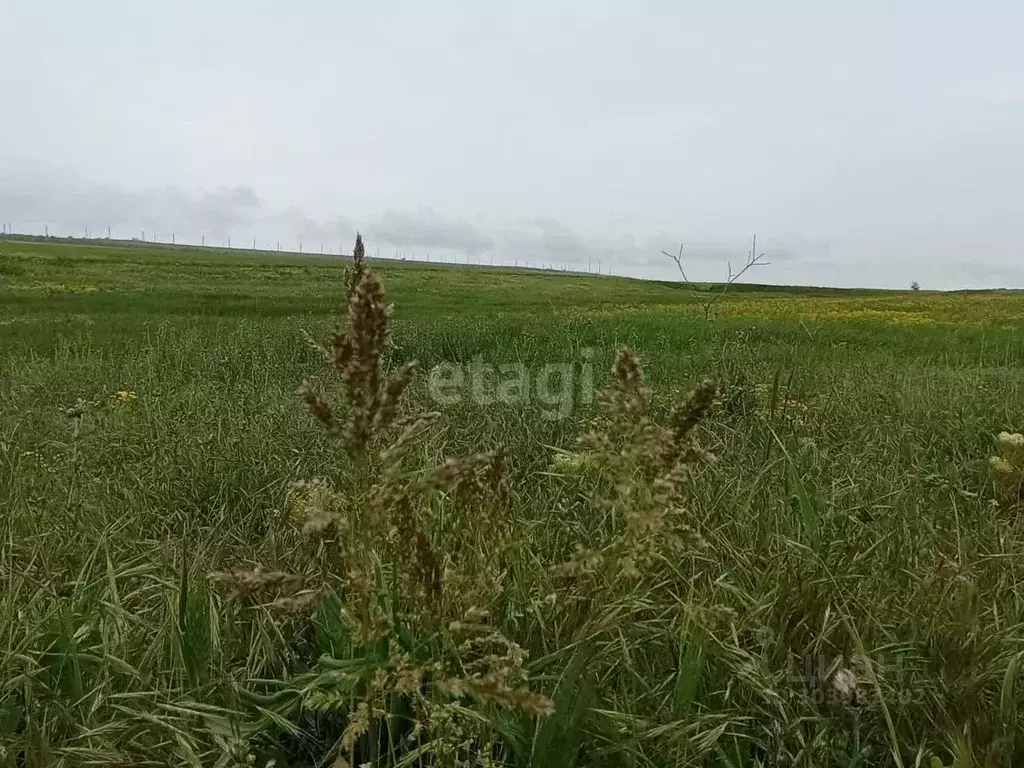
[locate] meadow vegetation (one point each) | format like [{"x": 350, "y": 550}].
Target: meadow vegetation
[{"x": 239, "y": 528}]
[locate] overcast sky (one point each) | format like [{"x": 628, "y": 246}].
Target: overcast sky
[{"x": 867, "y": 143}]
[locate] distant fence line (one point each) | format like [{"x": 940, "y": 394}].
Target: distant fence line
[{"x": 153, "y": 240}]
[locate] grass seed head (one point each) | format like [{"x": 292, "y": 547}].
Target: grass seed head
[
  {"x": 685, "y": 416},
  {"x": 358, "y": 351},
  {"x": 387, "y": 406},
  {"x": 319, "y": 408},
  {"x": 355, "y": 273},
  {"x": 1008, "y": 467}
]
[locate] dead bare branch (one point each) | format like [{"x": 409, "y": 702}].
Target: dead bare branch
[{"x": 708, "y": 300}]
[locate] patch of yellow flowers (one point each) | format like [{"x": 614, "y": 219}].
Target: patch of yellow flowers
[
  {"x": 124, "y": 397},
  {"x": 572, "y": 463},
  {"x": 1000, "y": 309},
  {"x": 1008, "y": 467},
  {"x": 982, "y": 309}
]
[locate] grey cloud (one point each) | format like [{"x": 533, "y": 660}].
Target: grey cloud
[
  {"x": 546, "y": 239},
  {"x": 549, "y": 239},
  {"x": 41, "y": 199},
  {"x": 216, "y": 213},
  {"x": 991, "y": 273},
  {"x": 244, "y": 196},
  {"x": 425, "y": 228},
  {"x": 69, "y": 206},
  {"x": 293, "y": 223},
  {"x": 38, "y": 199},
  {"x": 736, "y": 250}
]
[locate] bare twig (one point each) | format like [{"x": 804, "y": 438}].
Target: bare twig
[{"x": 704, "y": 300}]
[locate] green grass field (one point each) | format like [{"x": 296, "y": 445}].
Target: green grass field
[{"x": 840, "y": 588}]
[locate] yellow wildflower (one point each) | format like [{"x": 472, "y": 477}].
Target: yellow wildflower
[
  {"x": 1008, "y": 467},
  {"x": 124, "y": 397},
  {"x": 571, "y": 463},
  {"x": 1011, "y": 440},
  {"x": 1001, "y": 465}
]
